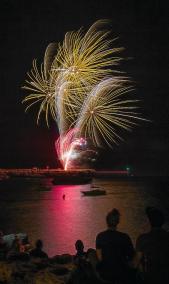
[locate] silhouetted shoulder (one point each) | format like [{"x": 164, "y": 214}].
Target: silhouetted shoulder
[
  {"x": 112, "y": 235},
  {"x": 124, "y": 235},
  {"x": 102, "y": 234},
  {"x": 156, "y": 236}
]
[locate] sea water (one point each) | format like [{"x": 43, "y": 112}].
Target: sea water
[{"x": 38, "y": 208}]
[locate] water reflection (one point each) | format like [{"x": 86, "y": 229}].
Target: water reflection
[
  {"x": 39, "y": 209},
  {"x": 67, "y": 219}
]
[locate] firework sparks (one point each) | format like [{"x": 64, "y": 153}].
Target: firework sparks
[
  {"x": 77, "y": 85},
  {"x": 82, "y": 60},
  {"x": 64, "y": 146},
  {"x": 106, "y": 110},
  {"x": 69, "y": 148}
]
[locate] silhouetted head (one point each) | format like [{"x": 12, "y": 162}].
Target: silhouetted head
[
  {"x": 113, "y": 218},
  {"x": 155, "y": 217},
  {"x": 79, "y": 245},
  {"x": 92, "y": 257},
  {"x": 39, "y": 244}
]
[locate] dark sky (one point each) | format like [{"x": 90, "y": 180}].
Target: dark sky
[{"x": 26, "y": 27}]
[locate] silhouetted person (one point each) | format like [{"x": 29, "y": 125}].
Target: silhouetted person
[
  {"x": 83, "y": 272},
  {"x": 79, "y": 246},
  {"x": 92, "y": 257},
  {"x": 114, "y": 250},
  {"x": 63, "y": 196},
  {"x": 38, "y": 252},
  {"x": 153, "y": 249}
]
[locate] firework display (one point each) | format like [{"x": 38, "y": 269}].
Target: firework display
[
  {"x": 74, "y": 152},
  {"x": 78, "y": 87}
]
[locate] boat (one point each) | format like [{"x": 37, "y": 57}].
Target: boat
[
  {"x": 71, "y": 179},
  {"x": 94, "y": 192}
]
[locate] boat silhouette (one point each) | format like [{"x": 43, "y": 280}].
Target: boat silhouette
[{"x": 94, "y": 192}]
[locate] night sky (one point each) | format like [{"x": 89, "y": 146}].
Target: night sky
[{"x": 26, "y": 28}]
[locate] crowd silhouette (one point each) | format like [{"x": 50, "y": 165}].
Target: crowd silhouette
[{"x": 114, "y": 260}]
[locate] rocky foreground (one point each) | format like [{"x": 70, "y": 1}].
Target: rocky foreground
[{"x": 55, "y": 270}]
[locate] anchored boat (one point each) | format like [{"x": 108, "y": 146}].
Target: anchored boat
[{"x": 94, "y": 192}]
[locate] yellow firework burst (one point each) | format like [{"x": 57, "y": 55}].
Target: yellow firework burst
[
  {"x": 106, "y": 110},
  {"x": 42, "y": 92},
  {"x": 82, "y": 60},
  {"x": 85, "y": 59},
  {"x": 78, "y": 87}
]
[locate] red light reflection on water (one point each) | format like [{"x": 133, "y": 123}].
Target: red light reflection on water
[{"x": 61, "y": 218}]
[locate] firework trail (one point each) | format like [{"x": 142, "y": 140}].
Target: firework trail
[{"x": 64, "y": 145}]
